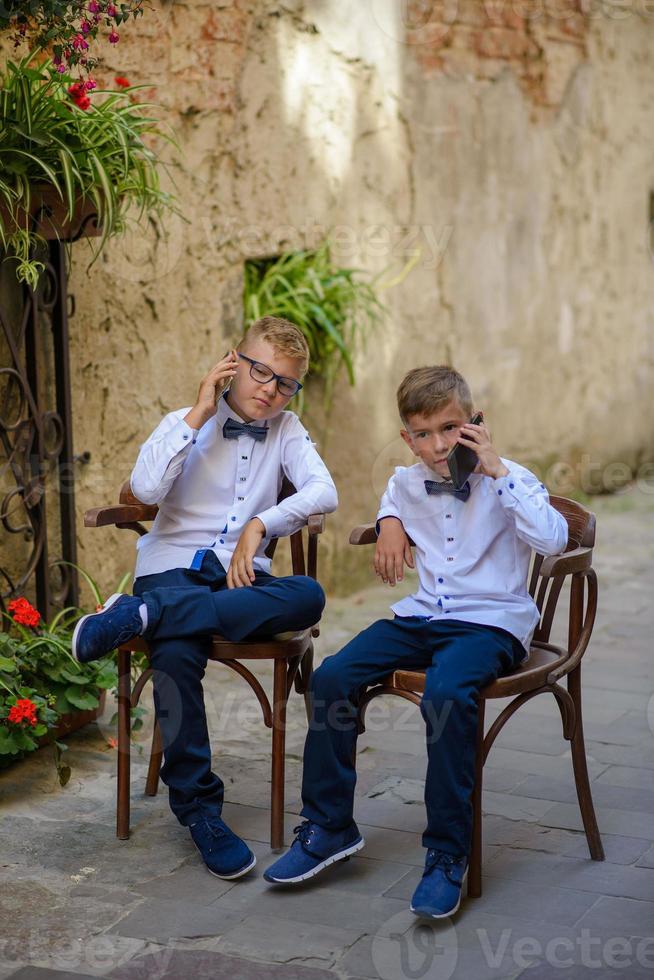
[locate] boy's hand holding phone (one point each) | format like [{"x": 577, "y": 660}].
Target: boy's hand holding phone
[
  {"x": 211, "y": 388},
  {"x": 478, "y": 438},
  {"x": 393, "y": 549}
]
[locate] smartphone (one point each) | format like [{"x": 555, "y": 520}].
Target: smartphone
[{"x": 462, "y": 460}]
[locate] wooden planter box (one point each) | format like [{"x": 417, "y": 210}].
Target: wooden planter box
[
  {"x": 48, "y": 217},
  {"x": 75, "y": 720}
]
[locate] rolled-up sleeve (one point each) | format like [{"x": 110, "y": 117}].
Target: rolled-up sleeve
[
  {"x": 315, "y": 489},
  {"x": 162, "y": 457}
]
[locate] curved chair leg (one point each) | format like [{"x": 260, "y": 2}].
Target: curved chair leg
[
  {"x": 303, "y": 680},
  {"x": 280, "y": 696},
  {"x": 580, "y": 768},
  {"x": 156, "y": 752},
  {"x": 474, "y": 871},
  {"x": 124, "y": 726}
]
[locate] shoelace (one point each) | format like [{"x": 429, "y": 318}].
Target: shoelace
[
  {"x": 214, "y": 828},
  {"x": 447, "y": 862},
  {"x": 303, "y": 836},
  {"x": 303, "y": 832}
]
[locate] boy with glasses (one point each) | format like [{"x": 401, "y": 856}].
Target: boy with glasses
[{"x": 215, "y": 471}]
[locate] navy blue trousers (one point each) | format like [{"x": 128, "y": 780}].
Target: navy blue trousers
[
  {"x": 460, "y": 658},
  {"x": 185, "y": 607}
]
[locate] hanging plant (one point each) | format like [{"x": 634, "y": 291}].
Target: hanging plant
[
  {"x": 66, "y": 28},
  {"x": 66, "y": 146}
]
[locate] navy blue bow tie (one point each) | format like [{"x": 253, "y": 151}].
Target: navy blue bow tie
[
  {"x": 433, "y": 487},
  {"x": 233, "y": 429}
]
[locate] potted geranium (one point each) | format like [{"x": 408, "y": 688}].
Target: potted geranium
[
  {"x": 67, "y": 151},
  {"x": 45, "y": 692}
]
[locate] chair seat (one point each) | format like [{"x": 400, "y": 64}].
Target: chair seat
[
  {"x": 279, "y": 647},
  {"x": 543, "y": 658}
]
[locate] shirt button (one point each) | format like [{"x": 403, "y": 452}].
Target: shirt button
[
  {"x": 241, "y": 498},
  {"x": 242, "y": 479},
  {"x": 450, "y": 539},
  {"x": 499, "y": 493},
  {"x": 233, "y": 518},
  {"x": 441, "y": 580},
  {"x": 450, "y": 558},
  {"x": 221, "y": 541},
  {"x": 194, "y": 441},
  {"x": 511, "y": 486},
  {"x": 184, "y": 437},
  {"x": 243, "y": 457},
  {"x": 448, "y": 515}
]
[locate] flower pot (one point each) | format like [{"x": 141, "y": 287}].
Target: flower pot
[
  {"x": 48, "y": 216},
  {"x": 75, "y": 720}
]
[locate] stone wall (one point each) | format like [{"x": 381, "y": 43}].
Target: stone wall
[{"x": 510, "y": 147}]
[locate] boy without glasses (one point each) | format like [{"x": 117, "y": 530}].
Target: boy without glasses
[
  {"x": 215, "y": 471},
  {"x": 470, "y": 620}
]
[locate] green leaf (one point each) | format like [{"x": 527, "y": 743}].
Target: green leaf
[
  {"x": 8, "y": 665},
  {"x": 84, "y": 700}
]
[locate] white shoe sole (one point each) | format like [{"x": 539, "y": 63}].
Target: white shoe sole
[
  {"x": 340, "y": 856},
  {"x": 110, "y": 601},
  {"x": 443, "y": 915},
  {"x": 235, "y": 874}
]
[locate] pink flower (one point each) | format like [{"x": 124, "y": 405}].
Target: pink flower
[
  {"x": 114, "y": 38},
  {"x": 61, "y": 69},
  {"x": 90, "y": 84},
  {"x": 79, "y": 43},
  {"x": 86, "y": 27},
  {"x": 111, "y": 10},
  {"x": 94, "y": 7}
]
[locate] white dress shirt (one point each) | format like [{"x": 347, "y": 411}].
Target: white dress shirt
[
  {"x": 473, "y": 557},
  {"x": 207, "y": 488}
]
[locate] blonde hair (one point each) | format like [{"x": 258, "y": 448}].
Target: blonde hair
[
  {"x": 284, "y": 336},
  {"x": 427, "y": 389}
]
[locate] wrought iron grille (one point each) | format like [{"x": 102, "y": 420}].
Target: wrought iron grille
[{"x": 37, "y": 491}]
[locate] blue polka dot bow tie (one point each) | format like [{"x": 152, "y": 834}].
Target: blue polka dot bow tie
[
  {"x": 233, "y": 429},
  {"x": 433, "y": 487}
]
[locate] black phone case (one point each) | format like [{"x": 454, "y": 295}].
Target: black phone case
[{"x": 462, "y": 460}]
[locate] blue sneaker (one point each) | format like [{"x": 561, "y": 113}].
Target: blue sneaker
[
  {"x": 101, "y": 632},
  {"x": 223, "y": 852},
  {"x": 439, "y": 893},
  {"x": 313, "y": 849}
]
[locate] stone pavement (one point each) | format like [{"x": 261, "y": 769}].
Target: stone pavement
[{"x": 75, "y": 902}]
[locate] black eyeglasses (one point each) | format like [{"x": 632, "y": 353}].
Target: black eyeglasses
[{"x": 263, "y": 374}]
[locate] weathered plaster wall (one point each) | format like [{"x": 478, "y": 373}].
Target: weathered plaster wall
[{"x": 515, "y": 153}]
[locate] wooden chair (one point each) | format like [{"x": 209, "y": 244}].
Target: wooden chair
[
  {"x": 291, "y": 653},
  {"x": 546, "y": 666}
]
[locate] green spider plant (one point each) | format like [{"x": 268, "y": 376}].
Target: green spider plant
[
  {"x": 101, "y": 156},
  {"x": 333, "y": 307}
]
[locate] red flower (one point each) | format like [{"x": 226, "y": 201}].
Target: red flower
[
  {"x": 111, "y": 10},
  {"x": 23, "y": 710},
  {"x": 24, "y": 613},
  {"x": 79, "y": 43},
  {"x": 114, "y": 37},
  {"x": 122, "y": 82}
]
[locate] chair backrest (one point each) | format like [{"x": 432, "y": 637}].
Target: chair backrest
[{"x": 546, "y": 591}]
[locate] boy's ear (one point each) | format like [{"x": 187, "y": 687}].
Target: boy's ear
[{"x": 407, "y": 438}]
